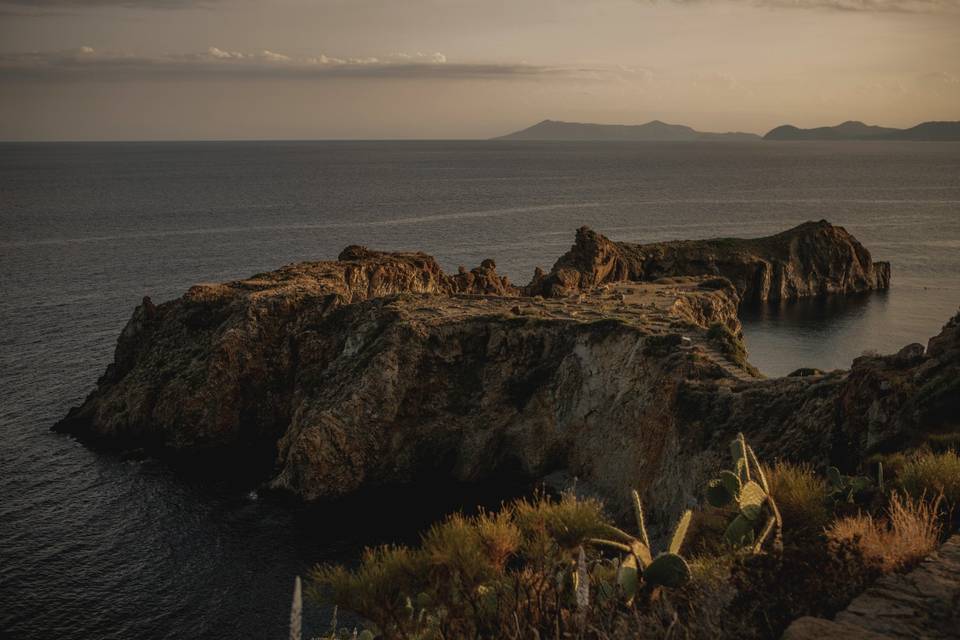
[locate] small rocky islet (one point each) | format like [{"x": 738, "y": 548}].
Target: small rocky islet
[{"x": 623, "y": 366}]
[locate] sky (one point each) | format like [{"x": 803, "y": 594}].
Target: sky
[{"x": 378, "y": 69}]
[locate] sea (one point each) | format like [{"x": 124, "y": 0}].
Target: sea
[{"x": 94, "y": 545}]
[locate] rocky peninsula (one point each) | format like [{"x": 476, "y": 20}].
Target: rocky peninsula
[{"x": 623, "y": 366}]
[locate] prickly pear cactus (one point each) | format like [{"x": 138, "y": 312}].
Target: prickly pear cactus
[
  {"x": 739, "y": 532},
  {"x": 633, "y": 572},
  {"x": 751, "y": 500},
  {"x": 849, "y": 488},
  {"x": 667, "y": 570},
  {"x": 744, "y": 490}
]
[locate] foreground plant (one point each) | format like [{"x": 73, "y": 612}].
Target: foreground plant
[
  {"x": 933, "y": 474},
  {"x": 755, "y": 514},
  {"x": 908, "y": 532},
  {"x": 802, "y": 499},
  {"x": 849, "y": 489},
  {"x": 516, "y": 573},
  {"x": 640, "y": 568}
]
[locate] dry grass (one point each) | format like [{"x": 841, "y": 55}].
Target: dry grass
[
  {"x": 933, "y": 474},
  {"x": 910, "y": 531},
  {"x": 801, "y": 496}
]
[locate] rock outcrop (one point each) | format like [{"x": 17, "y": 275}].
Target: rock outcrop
[
  {"x": 881, "y": 404},
  {"x": 389, "y": 386},
  {"x": 924, "y": 603},
  {"x": 815, "y": 258},
  {"x": 379, "y": 367}
]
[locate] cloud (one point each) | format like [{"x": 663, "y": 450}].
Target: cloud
[
  {"x": 89, "y": 63},
  {"x": 888, "y": 6},
  {"x": 716, "y": 81},
  {"x": 37, "y": 6}
]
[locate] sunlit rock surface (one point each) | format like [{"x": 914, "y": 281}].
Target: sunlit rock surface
[{"x": 380, "y": 368}]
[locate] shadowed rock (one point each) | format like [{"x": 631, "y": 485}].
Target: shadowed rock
[
  {"x": 919, "y": 604},
  {"x": 812, "y": 259},
  {"x": 380, "y": 367}
]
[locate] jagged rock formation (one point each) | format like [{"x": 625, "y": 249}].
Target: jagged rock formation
[
  {"x": 815, "y": 258},
  {"x": 380, "y": 367},
  {"x": 920, "y": 604},
  {"x": 882, "y": 403},
  {"x": 357, "y": 390}
]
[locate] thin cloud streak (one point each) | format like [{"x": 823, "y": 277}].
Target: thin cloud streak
[
  {"x": 857, "y": 6},
  {"x": 910, "y": 6},
  {"x": 39, "y": 5},
  {"x": 88, "y": 63}
]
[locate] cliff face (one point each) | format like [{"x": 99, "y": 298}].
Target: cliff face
[
  {"x": 882, "y": 403},
  {"x": 214, "y": 367},
  {"x": 380, "y": 367},
  {"x": 394, "y": 385},
  {"x": 815, "y": 258}
]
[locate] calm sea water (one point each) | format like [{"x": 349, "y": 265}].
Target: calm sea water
[{"x": 92, "y": 546}]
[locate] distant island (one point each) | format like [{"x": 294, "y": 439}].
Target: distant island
[
  {"x": 656, "y": 131},
  {"x": 855, "y": 130}
]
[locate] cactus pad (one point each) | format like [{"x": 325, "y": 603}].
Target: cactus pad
[
  {"x": 667, "y": 570},
  {"x": 680, "y": 532},
  {"x": 731, "y": 481},
  {"x": 739, "y": 533},
  {"x": 752, "y": 497},
  {"x": 834, "y": 476},
  {"x": 628, "y": 577},
  {"x": 717, "y": 493}
]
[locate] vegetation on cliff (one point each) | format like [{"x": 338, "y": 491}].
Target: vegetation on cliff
[
  {"x": 624, "y": 367},
  {"x": 550, "y": 568}
]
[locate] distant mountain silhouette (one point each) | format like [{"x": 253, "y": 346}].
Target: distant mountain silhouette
[
  {"x": 656, "y": 131},
  {"x": 854, "y": 130}
]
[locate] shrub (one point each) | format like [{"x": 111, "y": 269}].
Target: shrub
[
  {"x": 943, "y": 442},
  {"x": 809, "y": 579},
  {"x": 514, "y": 573},
  {"x": 933, "y": 474},
  {"x": 801, "y": 496},
  {"x": 910, "y": 531},
  {"x": 568, "y": 523},
  {"x": 379, "y": 588}
]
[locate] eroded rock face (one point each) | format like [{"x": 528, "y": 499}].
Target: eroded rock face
[
  {"x": 882, "y": 403},
  {"x": 380, "y": 367},
  {"x": 815, "y": 258},
  {"x": 214, "y": 367},
  {"x": 391, "y": 386}
]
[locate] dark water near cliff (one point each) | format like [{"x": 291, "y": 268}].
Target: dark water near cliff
[{"x": 95, "y": 547}]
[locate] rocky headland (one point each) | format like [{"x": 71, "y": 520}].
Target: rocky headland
[
  {"x": 812, "y": 259},
  {"x": 623, "y": 366}
]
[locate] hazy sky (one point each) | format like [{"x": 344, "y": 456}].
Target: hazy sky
[{"x": 182, "y": 69}]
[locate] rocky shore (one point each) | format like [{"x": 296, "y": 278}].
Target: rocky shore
[{"x": 623, "y": 366}]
